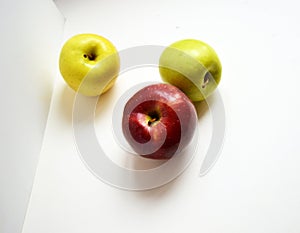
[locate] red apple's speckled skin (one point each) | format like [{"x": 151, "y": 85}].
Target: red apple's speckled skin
[{"x": 159, "y": 121}]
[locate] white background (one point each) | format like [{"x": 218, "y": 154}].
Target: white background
[
  {"x": 254, "y": 186},
  {"x": 31, "y": 32}
]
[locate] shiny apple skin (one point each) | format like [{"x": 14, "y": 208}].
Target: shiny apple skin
[
  {"x": 159, "y": 121},
  {"x": 193, "y": 66},
  {"x": 89, "y": 64}
]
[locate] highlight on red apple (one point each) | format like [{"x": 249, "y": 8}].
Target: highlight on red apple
[{"x": 159, "y": 121}]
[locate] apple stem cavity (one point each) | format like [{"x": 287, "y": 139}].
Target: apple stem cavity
[{"x": 154, "y": 117}]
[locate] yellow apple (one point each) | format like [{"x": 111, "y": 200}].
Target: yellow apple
[
  {"x": 89, "y": 64},
  {"x": 191, "y": 65}
]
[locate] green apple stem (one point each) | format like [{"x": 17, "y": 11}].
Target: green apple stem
[{"x": 206, "y": 79}]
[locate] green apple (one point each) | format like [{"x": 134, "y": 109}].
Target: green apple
[
  {"x": 191, "y": 65},
  {"x": 89, "y": 64}
]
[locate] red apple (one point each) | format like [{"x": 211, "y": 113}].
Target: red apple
[{"x": 159, "y": 121}]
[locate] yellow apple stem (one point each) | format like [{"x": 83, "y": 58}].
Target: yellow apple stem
[{"x": 91, "y": 57}]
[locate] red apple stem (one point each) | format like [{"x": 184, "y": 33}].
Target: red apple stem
[{"x": 151, "y": 121}]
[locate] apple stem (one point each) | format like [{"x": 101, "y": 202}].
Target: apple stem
[
  {"x": 206, "y": 79},
  {"x": 89, "y": 56},
  {"x": 151, "y": 121}
]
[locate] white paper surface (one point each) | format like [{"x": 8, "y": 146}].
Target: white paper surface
[
  {"x": 254, "y": 186},
  {"x": 30, "y": 34}
]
